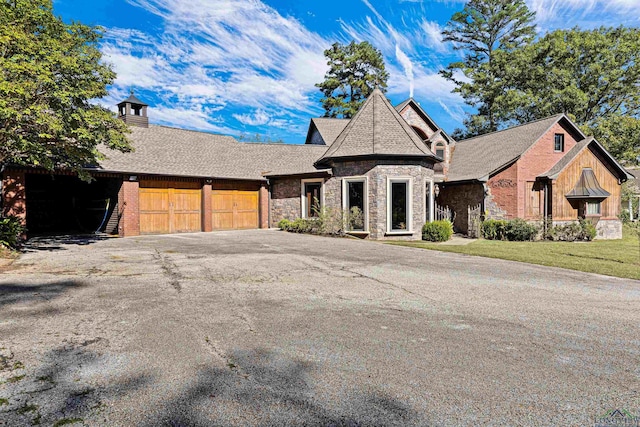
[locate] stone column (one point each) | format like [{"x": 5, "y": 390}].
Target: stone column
[{"x": 128, "y": 205}]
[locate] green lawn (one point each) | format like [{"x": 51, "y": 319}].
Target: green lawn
[{"x": 611, "y": 257}]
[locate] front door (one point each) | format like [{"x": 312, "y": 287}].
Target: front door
[{"x": 312, "y": 193}]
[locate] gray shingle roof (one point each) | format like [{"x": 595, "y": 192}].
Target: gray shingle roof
[
  {"x": 161, "y": 150},
  {"x": 329, "y": 128},
  {"x": 635, "y": 181},
  {"x": 477, "y": 158},
  {"x": 577, "y": 149},
  {"x": 377, "y": 130},
  {"x": 132, "y": 99}
]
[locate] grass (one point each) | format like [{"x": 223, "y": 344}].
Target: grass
[
  {"x": 619, "y": 258},
  {"x": 3, "y": 401}
]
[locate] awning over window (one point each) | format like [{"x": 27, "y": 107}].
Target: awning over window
[{"x": 588, "y": 187}]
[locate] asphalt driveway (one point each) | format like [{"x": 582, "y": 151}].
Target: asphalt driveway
[{"x": 266, "y": 328}]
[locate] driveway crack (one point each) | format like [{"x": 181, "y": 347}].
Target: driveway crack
[{"x": 170, "y": 270}]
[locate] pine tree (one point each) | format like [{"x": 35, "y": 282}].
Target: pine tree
[{"x": 354, "y": 71}]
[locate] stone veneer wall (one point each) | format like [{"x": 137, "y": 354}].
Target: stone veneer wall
[
  {"x": 459, "y": 197},
  {"x": 607, "y": 229},
  {"x": 285, "y": 200},
  {"x": 377, "y": 172}
]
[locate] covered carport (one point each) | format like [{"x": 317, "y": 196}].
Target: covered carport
[{"x": 64, "y": 204}]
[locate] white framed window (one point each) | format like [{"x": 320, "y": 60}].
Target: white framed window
[
  {"x": 355, "y": 202},
  {"x": 311, "y": 196},
  {"x": 593, "y": 208},
  {"x": 399, "y": 205}
]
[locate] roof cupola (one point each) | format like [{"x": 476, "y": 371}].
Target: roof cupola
[{"x": 133, "y": 112}]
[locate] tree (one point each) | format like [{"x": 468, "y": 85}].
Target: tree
[
  {"x": 593, "y": 76},
  {"x": 482, "y": 30},
  {"x": 49, "y": 73},
  {"x": 354, "y": 71}
]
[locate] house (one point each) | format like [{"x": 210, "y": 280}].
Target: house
[
  {"x": 544, "y": 169},
  {"x": 390, "y": 165}
]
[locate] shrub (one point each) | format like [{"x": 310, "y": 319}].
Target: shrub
[
  {"x": 284, "y": 224},
  {"x": 572, "y": 231},
  {"x": 494, "y": 229},
  {"x": 11, "y": 231},
  {"x": 625, "y": 216},
  {"x": 437, "y": 231},
  {"x": 300, "y": 225},
  {"x": 517, "y": 230}
]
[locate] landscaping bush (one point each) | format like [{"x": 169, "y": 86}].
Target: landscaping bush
[
  {"x": 625, "y": 216},
  {"x": 300, "y": 225},
  {"x": 437, "y": 231},
  {"x": 284, "y": 224},
  {"x": 11, "y": 231},
  {"x": 329, "y": 222},
  {"x": 517, "y": 230},
  {"x": 572, "y": 231},
  {"x": 494, "y": 229}
]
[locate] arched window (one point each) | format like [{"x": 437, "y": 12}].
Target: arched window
[{"x": 440, "y": 150}]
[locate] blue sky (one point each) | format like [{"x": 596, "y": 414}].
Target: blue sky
[{"x": 249, "y": 66}]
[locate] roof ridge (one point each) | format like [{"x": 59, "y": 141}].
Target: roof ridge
[
  {"x": 558, "y": 116},
  {"x": 190, "y": 130}
]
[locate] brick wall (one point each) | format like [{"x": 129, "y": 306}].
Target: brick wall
[
  {"x": 207, "y": 220},
  {"x": 502, "y": 198},
  {"x": 128, "y": 203},
  {"x": 14, "y": 200},
  {"x": 539, "y": 159},
  {"x": 264, "y": 206}
]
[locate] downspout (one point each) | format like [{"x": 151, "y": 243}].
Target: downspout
[{"x": 545, "y": 209}]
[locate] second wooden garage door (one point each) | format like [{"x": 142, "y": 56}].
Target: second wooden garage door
[
  {"x": 234, "y": 209},
  {"x": 170, "y": 210}
]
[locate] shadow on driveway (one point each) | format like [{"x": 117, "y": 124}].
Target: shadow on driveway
[
  {"x": 13, "y": 293},
  {"x": 257, "y": 388},
  {"x": 56, "y": 243}
]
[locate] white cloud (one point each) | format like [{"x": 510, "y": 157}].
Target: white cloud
[
  {"x": 258, "y": 118},
  {"x": 413, "y": 52},
  {"x": 565, "y": 13},
  {"x": 218, "y": 53}
]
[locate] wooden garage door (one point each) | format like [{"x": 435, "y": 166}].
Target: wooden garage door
[
  {"x": 234, "y": 209},
  {"x": 170, "y": 210}
]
